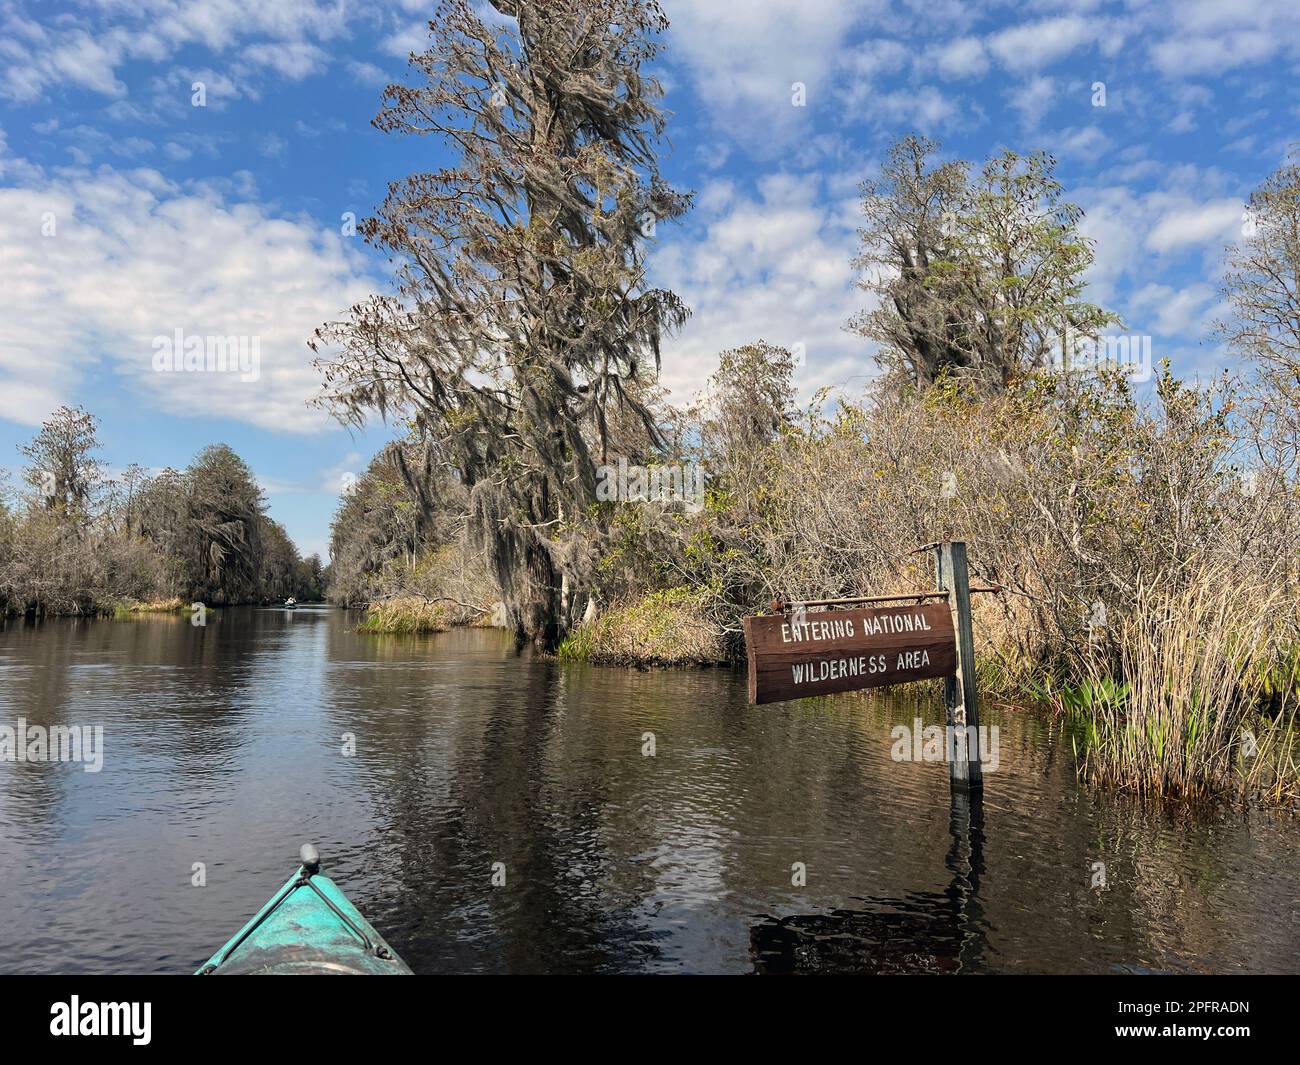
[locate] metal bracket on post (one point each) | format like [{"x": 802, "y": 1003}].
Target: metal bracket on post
[{"x": 960, "y": 695}]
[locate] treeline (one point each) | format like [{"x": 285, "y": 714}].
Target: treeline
[
  {"x": 74, "y": 540},
  {"x": 1146, "y": 541},
  {"x": 399, "y": 544}
]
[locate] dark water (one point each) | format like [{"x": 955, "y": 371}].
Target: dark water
[{"x": 223, "y": 746}]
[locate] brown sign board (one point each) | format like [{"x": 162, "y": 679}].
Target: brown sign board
[{"x": 792, "y": 656}]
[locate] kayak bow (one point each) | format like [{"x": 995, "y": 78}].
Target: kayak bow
[{"x": 308, "y": 927}]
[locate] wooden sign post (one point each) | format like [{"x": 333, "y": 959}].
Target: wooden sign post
[
  {"x": 792, "y": 656},
  {"x": 960, "y": 696},
  {"x": 799, "y": 654}
]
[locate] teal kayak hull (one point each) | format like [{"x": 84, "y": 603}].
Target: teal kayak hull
[{"x": 307, "y": 927}]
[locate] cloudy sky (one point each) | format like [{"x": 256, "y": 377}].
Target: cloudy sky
[{"x": 127, "y": 213}]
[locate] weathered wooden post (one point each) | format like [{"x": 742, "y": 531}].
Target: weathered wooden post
[{"x": 960, "y": 695}]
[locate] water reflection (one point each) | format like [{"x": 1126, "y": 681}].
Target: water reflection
[
  {"x": 481, "y": 808},
  {"x": 421, "y": 766},
  {"x": 921, "y": 932}
]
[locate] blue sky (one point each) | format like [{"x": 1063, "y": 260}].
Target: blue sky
[{"x": 227, "y": 219}]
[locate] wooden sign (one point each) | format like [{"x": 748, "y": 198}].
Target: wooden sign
[{"x": 792, "y": 656}]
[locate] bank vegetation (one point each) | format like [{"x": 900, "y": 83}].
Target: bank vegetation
[
  {"x": 1142, "y": 528},
  {"x": 75, "y": 540}
]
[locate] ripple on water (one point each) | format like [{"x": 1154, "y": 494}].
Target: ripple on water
[{"x": 773, "y": 839}]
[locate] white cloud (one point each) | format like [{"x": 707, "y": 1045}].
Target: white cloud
[
  {"x": 1211, "y": 37},
  {"x": 12, "y": 168},
  {"x": 135, "y": 257},
  {"x": 368, "y": 73},
  {"x": 875, "y": 56},
  {"x": 1084, "y": 142},
  {"x": 925, "y": 108},
  {"x": 1033, "y": 100},
  {"x": 776, "y": 268},
  {"x": 413, "y": 37},
  {"x": 1160, "y": 309},
  {"x": 37, "y": 56},
  {"x": 1196, "y": 225},
  {"x": 962, "y": 58},
  {"x": 1032, "y": 45},
  {"x": 294, "y": 60},
  {"x": 1186, "y": 55},
  {"x": 744, "y": 60},
  {"x": 1132, "y": 230},
  {"x": 715, "y": 197},
  {"x": 334, "y": 480}
]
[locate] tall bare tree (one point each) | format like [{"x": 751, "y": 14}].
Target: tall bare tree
[
  {"x": 63, "y": 469},
  {"x": 1262, "y": 286},
  {"x": 523, "y": 317}
]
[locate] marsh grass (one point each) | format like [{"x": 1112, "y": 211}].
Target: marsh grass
[
  {"x": 405, "y": 616},
  {"x": 1198, "y": 709},
  {"x": 130, "y": 608},
  {"x": 668, "y": 628}
]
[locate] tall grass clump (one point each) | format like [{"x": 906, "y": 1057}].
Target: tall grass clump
[
  {"x": 405, "y": 616},
  {"x": 667, "y": 628},
  {"x": 133, "y": 608},
  {"x": 1190, "y": 717}
]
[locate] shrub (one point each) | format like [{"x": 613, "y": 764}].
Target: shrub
[
  {"x": 667, "y": 628},
  {"x": 406, "y": 615}
]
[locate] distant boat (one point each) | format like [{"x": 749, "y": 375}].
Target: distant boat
[
  {"x": 308, "y": 927},
  {"x": 291, "y": 603}
]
